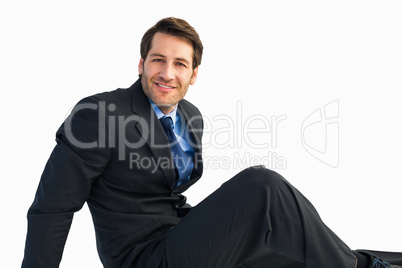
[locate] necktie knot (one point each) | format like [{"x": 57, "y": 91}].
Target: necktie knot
[{"x": 167, "y": 123}]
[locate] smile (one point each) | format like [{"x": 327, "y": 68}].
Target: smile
[{"x": 164, "y": 86}]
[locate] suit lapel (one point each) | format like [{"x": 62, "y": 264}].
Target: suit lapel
[
  {"x": 195, "y": 129},
  {"x": 151, "y": 130}
]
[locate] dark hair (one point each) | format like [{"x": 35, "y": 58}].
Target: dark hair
[{"x": 176, "y": 27}]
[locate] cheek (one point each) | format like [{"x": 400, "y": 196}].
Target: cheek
[
  {"x": 150, "y": 71},
  {"x": 185, "y": 79}
]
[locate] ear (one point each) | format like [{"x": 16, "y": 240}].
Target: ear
[
  {"x": 194, "y": 78},
  {"x": 141, "y": 66}
]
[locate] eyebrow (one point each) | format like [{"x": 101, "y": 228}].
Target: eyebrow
[{"x": 163, "y": 56}]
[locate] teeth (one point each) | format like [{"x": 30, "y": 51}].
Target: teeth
[{"x": 164, "y": 86}]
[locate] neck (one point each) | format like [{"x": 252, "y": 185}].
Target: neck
[{"x": 166, "y": 109}]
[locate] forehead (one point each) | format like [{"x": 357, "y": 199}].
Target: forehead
[{"x": 171, "y": 46}]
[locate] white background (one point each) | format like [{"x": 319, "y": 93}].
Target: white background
[{"x": 277, "y": 57}]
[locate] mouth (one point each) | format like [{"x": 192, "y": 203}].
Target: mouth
[{"x": 164, "y": 87}]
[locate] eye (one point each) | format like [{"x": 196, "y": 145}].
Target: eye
[
  {"x": 157, "y": 60},
  {"x": 181, "y": 64}
]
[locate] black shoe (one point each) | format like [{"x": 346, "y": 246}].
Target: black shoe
[{"x": 376, "y": 262}]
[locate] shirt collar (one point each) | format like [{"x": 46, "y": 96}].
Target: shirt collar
[{"x": 160, "y": 114}]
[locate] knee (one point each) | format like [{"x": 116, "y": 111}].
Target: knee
[{"x": 259, "y": 177}]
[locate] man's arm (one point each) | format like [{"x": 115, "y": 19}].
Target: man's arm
[{"x": 75, "y": 163}]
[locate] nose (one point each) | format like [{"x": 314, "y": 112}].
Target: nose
[{"x": 167, "y": 72}]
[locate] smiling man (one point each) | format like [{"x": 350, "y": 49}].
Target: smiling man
[{"x": 132, "y": 169}]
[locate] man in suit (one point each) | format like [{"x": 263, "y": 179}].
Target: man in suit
[{"x": 131, "y": 153}]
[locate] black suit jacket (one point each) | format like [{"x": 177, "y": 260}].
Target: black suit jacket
[{"x": 112, "y": 153}]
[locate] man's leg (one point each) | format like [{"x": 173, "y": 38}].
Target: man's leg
[{"x": 256, "y": 219}]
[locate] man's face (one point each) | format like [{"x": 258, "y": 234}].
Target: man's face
[{"x": 167, "y": 71}]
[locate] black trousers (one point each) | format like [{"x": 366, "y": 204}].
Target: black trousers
[{"x": 257, "y": 219}]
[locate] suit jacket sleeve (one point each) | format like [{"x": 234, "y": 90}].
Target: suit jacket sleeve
[{"x": 76, "y": 161}]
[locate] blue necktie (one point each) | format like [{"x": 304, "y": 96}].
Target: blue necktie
[{"x": 183, "y": 163}]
